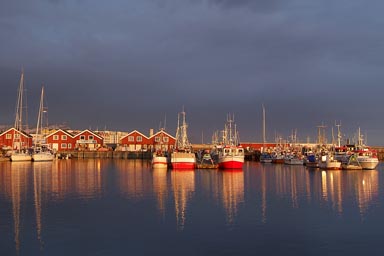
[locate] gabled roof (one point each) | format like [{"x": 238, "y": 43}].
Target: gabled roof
[
  {"x": 21, "y": 132},
  {"x": 132, "y": 132},
  {"x": 163, "y": 132},
  {"x": 64, "y": 131},
  {"x": 86, "y": 130}
]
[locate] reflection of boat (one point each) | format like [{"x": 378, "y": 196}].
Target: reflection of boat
[
  {"x": 183, "y": 185},
  {"x": 41, "y": 151},
  {"x": 182, "y": 157},
  {"x": 232, "y": 192},
  {"x": 231, "y": 155}
]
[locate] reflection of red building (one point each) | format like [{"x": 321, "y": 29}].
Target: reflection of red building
[
  {"x": 88, "y": 140},
  {"x": 135, "y": 141},
  {"x": 60, "y": 140},
  {"x": 14, "y": 138}
]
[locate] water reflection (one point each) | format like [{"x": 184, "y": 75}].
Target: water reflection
[
  {"x": 232, "y": 192},
  {"x": 160, "y": 188},
  {"x": 134, "y": 178},
  {"x": 42, "y": 184},
  {"x": 339, "y": 186},
  {"x": 80, "y": 178},
  {"x": 19, "y": 174},
  {"x": 302, "y": 186},
  {"x": 183, "y": 186}
]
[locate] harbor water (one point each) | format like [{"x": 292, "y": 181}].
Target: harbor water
[{"x": 124, "y": 207}]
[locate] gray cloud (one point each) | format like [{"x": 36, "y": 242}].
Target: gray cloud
[{"x": 126, "y": 64}]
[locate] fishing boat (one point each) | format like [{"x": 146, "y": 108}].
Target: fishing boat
[
  {"x": 327, "y": 162},
  {"x": 311, "y": 161},
  {"x": 41, "y": 151},
  {"x": 205, "y": 160},
  {"x": 352, "y": 163},
  {"x": 366, "y": 156},
  {"x": 159, "y": 159},
  {"x": 293, "y": 159},
  {"x": 231, "y": 153},
  {"x": 20, "y": 150},
  {"x": 182, "y": 157}
]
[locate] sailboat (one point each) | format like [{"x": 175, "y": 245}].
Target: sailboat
[
  {"x": 231, "y": 153},
  {"x": 182, "y": 156},
  {"x": 20, "y": 150},
  {"x": 41, "y": 152}
]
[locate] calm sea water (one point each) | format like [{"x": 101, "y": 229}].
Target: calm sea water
[{"x": 123, "y": 207}]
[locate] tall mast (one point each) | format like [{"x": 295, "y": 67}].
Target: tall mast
[
  {"x": 39, "y": 126},
  {"x": 264, "y": 139},
  {"x": 19, "y": 106},
  {"x": 338, "y": 134}
]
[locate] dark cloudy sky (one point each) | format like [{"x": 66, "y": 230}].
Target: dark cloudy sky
[{"x": 126, "y": 64}]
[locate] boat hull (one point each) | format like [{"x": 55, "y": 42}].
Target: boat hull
[
  {"x": 42, "y": 157},
  {"x": 182, "y": 160},
  {"x": 159, "y": 162},
  {"x": 20, "y": 157},
  {"x": 368, "y": 163},
  {"x": 231, "y": 165},
  {"x": 231, "y": 162},
  {"x": 334, "y": 165}
]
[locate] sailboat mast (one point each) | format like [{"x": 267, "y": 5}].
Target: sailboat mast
[
  {"x": 19, "y": 105},
  {"x": 39, "y": 127},
  {"x": 264, "y": 139}
]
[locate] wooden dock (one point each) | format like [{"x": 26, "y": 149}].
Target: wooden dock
[{"x": 107, "y": 154}]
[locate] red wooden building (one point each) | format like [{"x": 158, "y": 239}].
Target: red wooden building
[
  {"x": 15, "y": 139},
  {"x": 135, "y": 141},
  {"x": 88, "y": 140},
  {"x": 162, "y": 141},
  {"x": 60, "y": 140}
]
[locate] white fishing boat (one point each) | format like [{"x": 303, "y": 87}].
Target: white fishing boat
[
  {"x": 293, "y": 160},
  {"x": 41, "y": 152},
  {"x": 327, "y": 162},
  {"x": 182, "y": 157},
  {"x": 20, "y": 148},
  {"x": 366, "y": 156},
  {"x": 231, "y": 153},
  {"x": 159, "y": 159}
]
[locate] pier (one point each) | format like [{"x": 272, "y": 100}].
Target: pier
[{"x": 106, "y": 154}]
